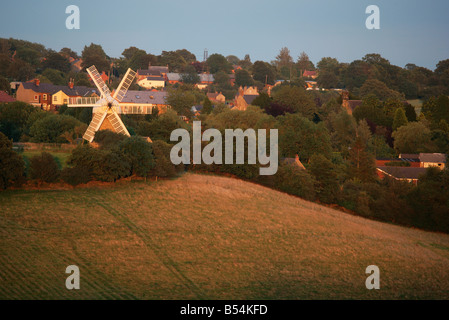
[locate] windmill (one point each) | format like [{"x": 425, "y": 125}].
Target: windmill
[{"x": 106, "y": 108}]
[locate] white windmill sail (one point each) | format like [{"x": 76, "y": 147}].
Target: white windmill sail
[
  {"x": 94, "y": 125},
  {"x": 124, "y": 85},
  {"x": 107, "y": 107}
]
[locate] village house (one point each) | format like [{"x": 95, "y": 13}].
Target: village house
[
  {"x": 137, "y": 102},
  {"x": 216, "y": 97},
  {"x": 409, "y": 174},
  {"x": 173, "y": 78},
  {"x": 408, "y": 167},
  {"x": 5, "y": 97},
  {"x": 310, "y": 74},
  {"x": 48, "y": 96},
  {"x": 153, "y": 77},
  {"x": 432, "y": 160},
  {"x": 245, "y": 97},
  {"x": 205, "y": 80},
  {"x": 349, "y": 105},
  {"x": 294, "y": 162}
]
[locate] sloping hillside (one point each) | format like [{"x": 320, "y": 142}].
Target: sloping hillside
[{"x": 206, "y": 237}]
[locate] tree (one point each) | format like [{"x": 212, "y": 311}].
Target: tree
[
  {"x": 296, "y": 181},
  {"x": 217, "y": 62},
  {"x": 20, "y": 70},
  {"x": 163, "y": 167},
  {"x": 303, "y": 62},
  {"x": 246, "y": 62},
  {"x": 161, "y": 127},
  {"x": 108, "y": 139},
  {"x": 300, "y": 136},
  {"x": 327, "y": 80},
  {"x": 51, "y": 128},
  {"x": 14, "y": 118},
  {"x": 414, "y": 137},
  {"x": 436, "y": 109},
  {"x": 139, "y": 154},
  {"x": 370, "y": 110},
  {"x": 380, "y": 89},
  {"x": 56, "y": 61},
  {"x": 94, "y": 55},
  {"x": 43, "y": 167},
  {"x": 430, "y": 200},
  {"x": 181, "y": 101},
  {"x": 140, "y": 60},
  {"x": 342, "y": 131},
  {"x": 174, "y": 60},
  {"x": 296, "y": 98},
  {"x": 410, "y": 112},
  {"x": 5, "y": 85},
  {"x": 12, "y": 166},
  {"x": 361, "y": 161},
  {"x": 323, "y": 170},
  {"x": 129, "y": 52},
  {"x": 67, "y": 52},
  {"x": 263, "y": 100},
  {"x": 243, "y": 78},
  {"x": 284, "y": 59},
  {"x": 399, "y": 119},
  {"x": 233, "y": 60},
  {"x": 190, "y": 75},
  {"x": 189, "y": 57},
  {"x": 207, "y": 106},
  {"x": 55, "y": 76},
  {"x": 263, "y": 72},
  {"x": 328, "y": 64}
]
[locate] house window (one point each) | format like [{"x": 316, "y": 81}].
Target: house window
[
  {"x": 44, "y": 97},
  {"x": 36, "y": 98},
  {"x": 65, "y": 101},
  {"x": 56, "y": 98}
]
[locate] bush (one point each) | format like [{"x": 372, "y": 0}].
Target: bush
[
  {"x": 295, "y": 181},
  {"x": 108, "y": 139},
  {"x": 75, "y": 175},
  {"x": 102, "y": 165},
  {"x": 12, "y": 166},
  {"x": 139, "y": 155},
  {"x": 163, "y": 166},
  {"x": 44, "y": 167}
]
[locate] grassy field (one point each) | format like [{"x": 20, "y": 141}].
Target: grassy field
[{"x": 206, "y": 237}]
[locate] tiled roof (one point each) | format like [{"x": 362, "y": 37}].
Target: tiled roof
[
  {"x": 249, "y": 98},
  {"x": 152, "y": 70},
  {"x": 432, "y": 157},
  {"x": 403, "y": 172},
  {"x": 4, "y": 97},
  {"x": 173, "y": 76},
  {"x": 414, "y": 156},
  {"x": 206, "y": 77},
  {"x": 52, "y": 89},
  {"x": 354, "y": 104},
  {"x": 147, "y": 97},
  {"x": 160, "y": 78},
  {"x": 309, "y": 73}
]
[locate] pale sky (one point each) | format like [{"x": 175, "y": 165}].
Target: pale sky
[{"x": 411, "y": 31}]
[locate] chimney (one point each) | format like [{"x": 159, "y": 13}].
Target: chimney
[
  {"x": 37, "y": 82},
  {"x": 71, "y": 83},
  {"x": 297, "y": 158}
]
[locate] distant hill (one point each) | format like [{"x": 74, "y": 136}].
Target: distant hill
[{"x": 207, "y": 237}]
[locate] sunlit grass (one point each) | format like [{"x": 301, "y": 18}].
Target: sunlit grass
[{"x": 206, "y": 237}]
